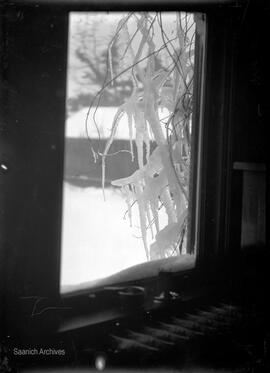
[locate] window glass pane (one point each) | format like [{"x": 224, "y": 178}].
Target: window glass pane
[{"x": 127, "y": 142}]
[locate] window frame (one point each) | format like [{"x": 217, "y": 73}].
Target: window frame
[
  {"x": 195, "y": 170},
  {"x": 213, "y": 185}
]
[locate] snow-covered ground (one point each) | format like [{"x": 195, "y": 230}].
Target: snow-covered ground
[
  {"x": 96, "y": 239},
  {"x": 103, "y": 116}
]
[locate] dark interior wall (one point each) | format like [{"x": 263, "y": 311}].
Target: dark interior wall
[
  {"x": 236, "y": 115},
  {"x": 33, "y": 79},
  {"x": 250, "y": 110},
  {"x": 252, "y": 84}
]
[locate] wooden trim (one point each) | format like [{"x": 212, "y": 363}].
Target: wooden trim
[
  {"x": 190, "y": 4},
  {"x": 247, "y": 166}
]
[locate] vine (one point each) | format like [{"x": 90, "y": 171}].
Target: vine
[{"x": 161, "y": 181}]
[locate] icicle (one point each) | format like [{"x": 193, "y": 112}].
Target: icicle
[
  {"x": 128, "y": 201},
  {"x": 130, "y": 109},
  {"x": 130, "y": 134},
  {"x": 146, "y": 139},
  {"x": 168, "y": 167},
  {"x": 147, "y": 209},
  {"x": 116, "y": 120},
  {"x": 151, "y": 193},
  {"x": 111, "y": 66},
  {"x": 140, "y": 128},
  {"x": 168, "y": 204},
  {"x": 138, "y": 189},
  {"x": 154, "y": 164},
  {"x": 152, "y": 117},
  {"x": 139, "y": 144},
  {"x": 154, "y": 209}
]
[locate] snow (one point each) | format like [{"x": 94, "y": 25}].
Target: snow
[
  {"x": 181, "y": 263},
  {"x": 96, "y": 239},
  {"x": 103, "y": 116}
]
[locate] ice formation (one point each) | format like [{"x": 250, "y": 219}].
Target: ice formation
[{"x": 162, "y": 177}]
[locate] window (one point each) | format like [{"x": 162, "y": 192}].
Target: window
[
  {"x": 33, "y": 76},
  {"x": 130, "y": 150}
]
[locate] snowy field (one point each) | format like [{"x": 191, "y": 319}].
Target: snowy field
[{"x": 97, "y": 240}]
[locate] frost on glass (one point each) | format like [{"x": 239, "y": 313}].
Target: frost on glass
[{"x": 128, "y": 141}]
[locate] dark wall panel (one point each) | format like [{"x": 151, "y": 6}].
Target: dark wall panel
[{"x": 33, "y": 77}]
